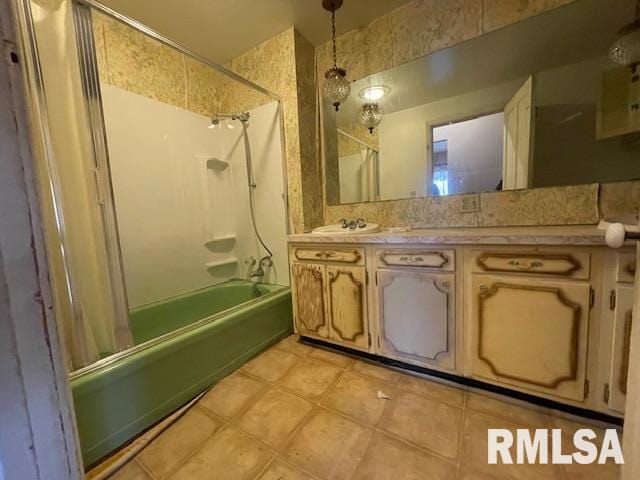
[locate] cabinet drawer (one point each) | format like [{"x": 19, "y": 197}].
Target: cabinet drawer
[
  {"x": 353, "y": 256},
  {"x": 436, "y": 259},
  {"x": 570, "y": 265},
  {"x": 626, "y": 267}
]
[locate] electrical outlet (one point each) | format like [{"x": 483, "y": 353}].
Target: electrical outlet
[{"x": 470, "y": 204}]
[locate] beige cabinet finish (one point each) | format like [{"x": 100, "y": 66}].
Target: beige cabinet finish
[
  {"x": 621, "y": 342},
  {"x": 333, "y": 255},
  {"x": 347, "y": 295},
  {"x": 532, "y": 318},
  {"x": 434, "y": 259},
  {"x": 308, "y": 281},
  {"x": 626, "y": 267},
  {"x": 531, "y": 333},
  {"x": 417, "y": 317},
  {"x": 574, "y": 265}
]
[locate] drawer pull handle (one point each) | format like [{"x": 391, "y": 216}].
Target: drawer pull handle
[
  {"x": 318, "y": 254},
  {"x": 411, "y": 259},
  {"x": 330, "y": 254},
  {"x": 529, "y": 266}
]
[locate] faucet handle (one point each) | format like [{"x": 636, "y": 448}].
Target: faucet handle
[
  {"x": 266, "y": 261},
  {"x": 344, "y": 222},
  {"x": 361, "y": 223},
  {"x": 250, "y": 261}
]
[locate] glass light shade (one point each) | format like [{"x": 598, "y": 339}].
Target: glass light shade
[
  {"x": 336, "y": 87},
  {"x": 626, "y": 48},
  {"x": 373, "y": 94},
  {"x": 370, "y": 116}
]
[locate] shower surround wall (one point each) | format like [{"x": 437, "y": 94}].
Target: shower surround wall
[
  {"x": 181, "y": 195},
  {"x": 284, "y": 65}
]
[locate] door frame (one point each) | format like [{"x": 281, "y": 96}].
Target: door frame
[{"x": 38, "y": 433}]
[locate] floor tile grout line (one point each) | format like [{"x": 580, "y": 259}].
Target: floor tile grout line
[
  {"x": 140, "y": 465},
  {"x": 180, "y": 464},
  {"x": 305, "y": 420},
  {"x": 461, "y": 438},
  {"x": 377, "y": 429},
  {"x": 266, "y": 466}
]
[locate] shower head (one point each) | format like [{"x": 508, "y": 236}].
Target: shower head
[{"x": 242, "y": 116}]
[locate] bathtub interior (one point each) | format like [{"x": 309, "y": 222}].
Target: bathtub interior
[{"x": 154, "y": 320}]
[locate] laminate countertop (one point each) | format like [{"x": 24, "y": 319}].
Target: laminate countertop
[{"x": 551, "y": 235}]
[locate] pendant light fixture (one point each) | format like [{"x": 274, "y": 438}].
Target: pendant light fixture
[
  {"x": 626, "y": 48},
  {"x": 370, "y": 116},
  {"x": 336, "y": 87}
]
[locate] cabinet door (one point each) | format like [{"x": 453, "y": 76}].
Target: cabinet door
[
  {"x": 417, "y": 317},
  {"x": 309, "y": 299},
  {"x": 348, "y": 306},
  {"x": 531, "y": 333},
  {"x": 620, "y": 348}
]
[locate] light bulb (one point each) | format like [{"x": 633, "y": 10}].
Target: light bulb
[{"x": 373, "y": 94}]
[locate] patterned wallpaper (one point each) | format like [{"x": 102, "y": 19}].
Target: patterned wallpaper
[{"x": 424, "y": 26}]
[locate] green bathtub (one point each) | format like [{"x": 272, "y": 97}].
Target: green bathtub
[{"x": 183, "y": 345}]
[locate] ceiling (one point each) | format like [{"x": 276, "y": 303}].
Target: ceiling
[{"x": 223, "y": 29}]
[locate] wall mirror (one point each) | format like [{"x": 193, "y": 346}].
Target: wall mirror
[{"x": 535, "y": 104}]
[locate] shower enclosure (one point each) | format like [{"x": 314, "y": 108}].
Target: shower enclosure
[{"x": 163, "y": 184}]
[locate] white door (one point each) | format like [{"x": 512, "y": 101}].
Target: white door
[{"x": 518, "y": 139}]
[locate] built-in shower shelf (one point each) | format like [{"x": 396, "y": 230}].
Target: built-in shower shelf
[
  {"x": 214, "y": 163},
  {"x": 222, "y": 238},
  {"x": 221, "y": 263}
]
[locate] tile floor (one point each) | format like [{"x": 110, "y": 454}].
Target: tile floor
[{"x": 298, "y": 412}]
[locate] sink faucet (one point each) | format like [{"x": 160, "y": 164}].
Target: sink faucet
[{"x": 353, "y": 224}]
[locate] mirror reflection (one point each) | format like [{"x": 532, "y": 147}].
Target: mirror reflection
[{"x": 536, "y": 104}]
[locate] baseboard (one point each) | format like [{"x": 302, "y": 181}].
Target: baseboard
[{"x": 472, "y": 382}]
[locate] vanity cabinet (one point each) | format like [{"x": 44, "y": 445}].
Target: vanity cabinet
[
  {"x": 616, "y": 389},
  {"x": 330, "y": 295},
  {"x": 346, "y": 292},
  {"x": 547, "y": 319},
  {"x": 417, "y": 317},
  {"x": 531, "y": 333},
  {"x": 309, "y": 281}
]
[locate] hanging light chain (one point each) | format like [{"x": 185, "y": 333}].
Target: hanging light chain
[{"x": 333, "y": 36}]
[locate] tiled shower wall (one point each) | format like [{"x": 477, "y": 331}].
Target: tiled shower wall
[
  {"x": 424, "y": 26},
  {"x": 284, "y": 65}
]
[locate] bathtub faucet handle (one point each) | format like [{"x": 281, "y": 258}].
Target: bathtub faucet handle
[
  {"x": 266, "y": 261},
  {"x": 250, "y": 261}
]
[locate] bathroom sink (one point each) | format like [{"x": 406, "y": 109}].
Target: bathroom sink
[{"x": 338, "y": 229}]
